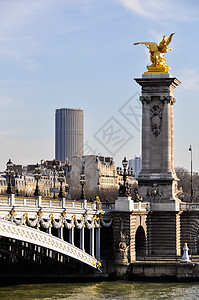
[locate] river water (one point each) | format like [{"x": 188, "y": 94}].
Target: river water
[{"x": 101, "y": 290}]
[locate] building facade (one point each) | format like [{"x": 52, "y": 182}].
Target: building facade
[
  {"x": 24, "y": 182},
  {"x": 100, "y": 173},
  {"x": 69, "y": 133}
]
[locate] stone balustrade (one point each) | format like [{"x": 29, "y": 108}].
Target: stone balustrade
[{"x": 189, "y": 206}]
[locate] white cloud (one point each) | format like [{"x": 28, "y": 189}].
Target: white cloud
[
  {"x": 135, "y": 6},
  {"x": 164, "y": 9}
]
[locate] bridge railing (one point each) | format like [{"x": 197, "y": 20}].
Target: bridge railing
[
  {"x": 141, "y": 206},
  {"x": 43, "y": 202},
  {"x": 189, "y": 206},
  {"x": 136, "y": 206},
  {"x": 106, "y": 206}
]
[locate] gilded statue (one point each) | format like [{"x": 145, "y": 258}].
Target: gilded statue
[{"x": 157, "y": 54}]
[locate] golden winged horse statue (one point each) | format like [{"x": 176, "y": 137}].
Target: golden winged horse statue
[{"x": 157, "y": 54}]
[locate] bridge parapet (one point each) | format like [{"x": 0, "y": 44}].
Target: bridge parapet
[
  {"x": 189, "y": 206},
  {"x": 43, "y": 202}
]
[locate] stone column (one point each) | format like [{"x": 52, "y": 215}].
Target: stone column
[
  {"x": 157, "y": 138},
  {"x": 82, "y": 238},
  {"x": 71, "y": 236},
  {"x": 48, "y": 230},
  {"x": 98, "y": 243},
  {"x": 60, "y": 232},
  {"x": 92, "y": 241}
]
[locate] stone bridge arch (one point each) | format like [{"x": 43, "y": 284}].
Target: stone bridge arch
[
  {"x": 140, "y": 236},
  {"x": 140, "y": 243}
]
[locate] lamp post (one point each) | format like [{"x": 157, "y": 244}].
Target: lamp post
[
  {"x": 124, "y": 164},
  {"x": 191, "y": 198},
  {"x": 82, "y": 182},
  {"x": 9, "y": 173},
  {"x": 37, "y": 176},
  {"x": 124, "y": 190},
  {"x": 61, "y": 179},
  {"x": 67, "y": 190},
  {"x": 54, "y": 171}
]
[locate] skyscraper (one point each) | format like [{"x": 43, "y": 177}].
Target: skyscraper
[
  {"x": 136, "y": 165},
  {"x": 69, "y": 133}
]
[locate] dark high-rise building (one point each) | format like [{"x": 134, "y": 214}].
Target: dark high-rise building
[{"x": 69, "y": 133}]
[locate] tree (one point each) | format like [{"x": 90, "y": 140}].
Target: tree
[{"x": 185, "y": 182}]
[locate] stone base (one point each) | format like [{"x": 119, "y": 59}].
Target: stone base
[
  {"x": 158, "y": 69},
  {"x": 120, "y": 271},
  {"x": 166, "y": 186},
  {"x": 124, "y": 204}
]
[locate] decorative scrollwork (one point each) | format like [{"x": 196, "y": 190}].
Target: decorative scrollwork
[
  {"x": 57, "y": 224},
  {"x": 154, "y": 193},
  {"x": 68, "y": 223},
  {"x": 90, "y": 223},
  {"x": 32, "y": 223},
  {"x": 79, "y": 223},
  {"x": 45, "y": 223},
  {"x": 106, "y": 223}
]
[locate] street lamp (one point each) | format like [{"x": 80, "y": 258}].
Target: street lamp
[
  {"x": 9, "y": 173},
  {"x": 37, "y": 176},
  {"x": 54, "y": 164},
  {"x": 61, "y": 179},
  {"x": 67, "y": 190},
  {"x": 191, "y": 198},
  {"x": 82, "y": 182},
  {"x": 124, "y": 190}
]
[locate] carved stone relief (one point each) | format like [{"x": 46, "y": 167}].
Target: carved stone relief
[
  {"x": 121, "y": 246},
  {"x": 156, "y": 119},
  {"x": 154, "y": 193}
]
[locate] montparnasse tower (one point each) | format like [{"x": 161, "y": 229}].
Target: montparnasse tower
[{"x": 69, "y": 133}]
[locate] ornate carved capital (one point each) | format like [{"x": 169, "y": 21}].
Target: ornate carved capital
[
  {"x": 145, "y": 99},
  {"x": 167, "y": 99}
]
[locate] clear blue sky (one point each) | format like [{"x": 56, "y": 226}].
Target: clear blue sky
[{"x": 80, "y": 53}]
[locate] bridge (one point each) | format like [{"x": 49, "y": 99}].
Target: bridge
[
  {"x": 39, "y": 229},
  {"x": 67, "y": 228}
]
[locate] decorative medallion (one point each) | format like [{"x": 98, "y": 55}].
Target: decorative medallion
[
  {"x": 154, "y": 193},
  {"x": 156, "y": 120}
]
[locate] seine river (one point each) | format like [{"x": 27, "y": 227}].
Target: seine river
[{"x": 102, "y": 290}]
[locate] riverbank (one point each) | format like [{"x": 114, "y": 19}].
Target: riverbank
[{"x": 151, "y": 271}]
